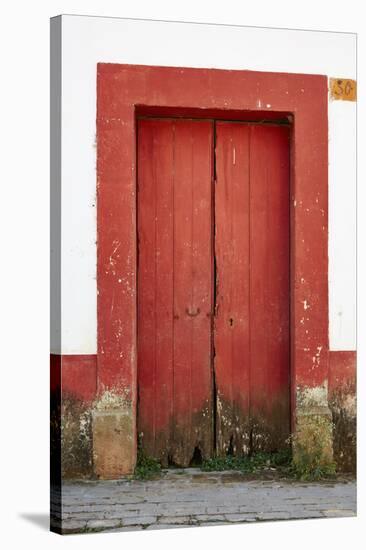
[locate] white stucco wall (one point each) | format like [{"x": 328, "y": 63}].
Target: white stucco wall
[{"x": 89, "y": 40}]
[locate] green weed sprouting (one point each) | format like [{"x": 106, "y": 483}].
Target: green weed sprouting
[
  {"x": 146, "y": 467},
  {"x": 249, "y": 464}
]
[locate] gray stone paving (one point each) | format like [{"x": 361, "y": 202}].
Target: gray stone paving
[{"x": 190, "y": 497}]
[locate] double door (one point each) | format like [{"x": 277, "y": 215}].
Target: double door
[{"x": 213, "y": 288}]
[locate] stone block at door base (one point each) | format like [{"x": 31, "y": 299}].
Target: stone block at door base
[
  {"x": 113, "y": 444},
  {"x": 313, "y": 439}
]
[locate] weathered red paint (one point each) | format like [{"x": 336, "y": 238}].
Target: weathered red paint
[
  {"x": 342, "y": 370},
  {"x": 75, "y": 375},
  {"x": 174, "y": 288},
  {"x": 252, "y": 296},
  {"x": 124, "y": 88}
]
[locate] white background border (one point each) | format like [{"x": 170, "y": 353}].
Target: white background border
[{"x": 24, "y": 284}]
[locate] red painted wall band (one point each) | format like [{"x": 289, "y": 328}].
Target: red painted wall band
[
  {"x": 75, "y": 374},
  {"x": 78, "y": 373},
  {"x": 342, "y": 370}
]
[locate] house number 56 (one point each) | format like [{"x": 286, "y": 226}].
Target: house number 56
[{"x": 342, "y": 88}]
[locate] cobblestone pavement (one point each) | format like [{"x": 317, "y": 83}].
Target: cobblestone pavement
[{"x": 191, "y": 497}]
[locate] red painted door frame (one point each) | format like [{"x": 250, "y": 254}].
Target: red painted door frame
[{"x": 124, "y": 90}]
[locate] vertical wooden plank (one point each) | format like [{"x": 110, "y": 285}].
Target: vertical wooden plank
[
  {"x": 202, "y": 287},
  {"x": 232, "y": 350},
  {"x": 182, "y": 335},
  {"x": 192, "y": 290},
  {"x": 155, "y": 285},
  {"x": 269, "y": 287}
]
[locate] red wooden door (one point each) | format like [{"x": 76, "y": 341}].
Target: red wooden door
[
  {"x": 252, "y": 287},
  {"x": 213, "y": 288},
  {"x": 175, "y": 289}
]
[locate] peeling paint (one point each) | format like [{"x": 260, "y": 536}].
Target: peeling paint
[
  {"x": 316, "y": 357},
  {"x": 112, "y": 260},
  {"x": 113, "y": 400},
  {"x": 239, "y": 432},
  {"x": 310, "y": 397}
]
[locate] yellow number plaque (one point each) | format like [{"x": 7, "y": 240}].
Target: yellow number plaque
[{"x": 343, "y": 88}]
